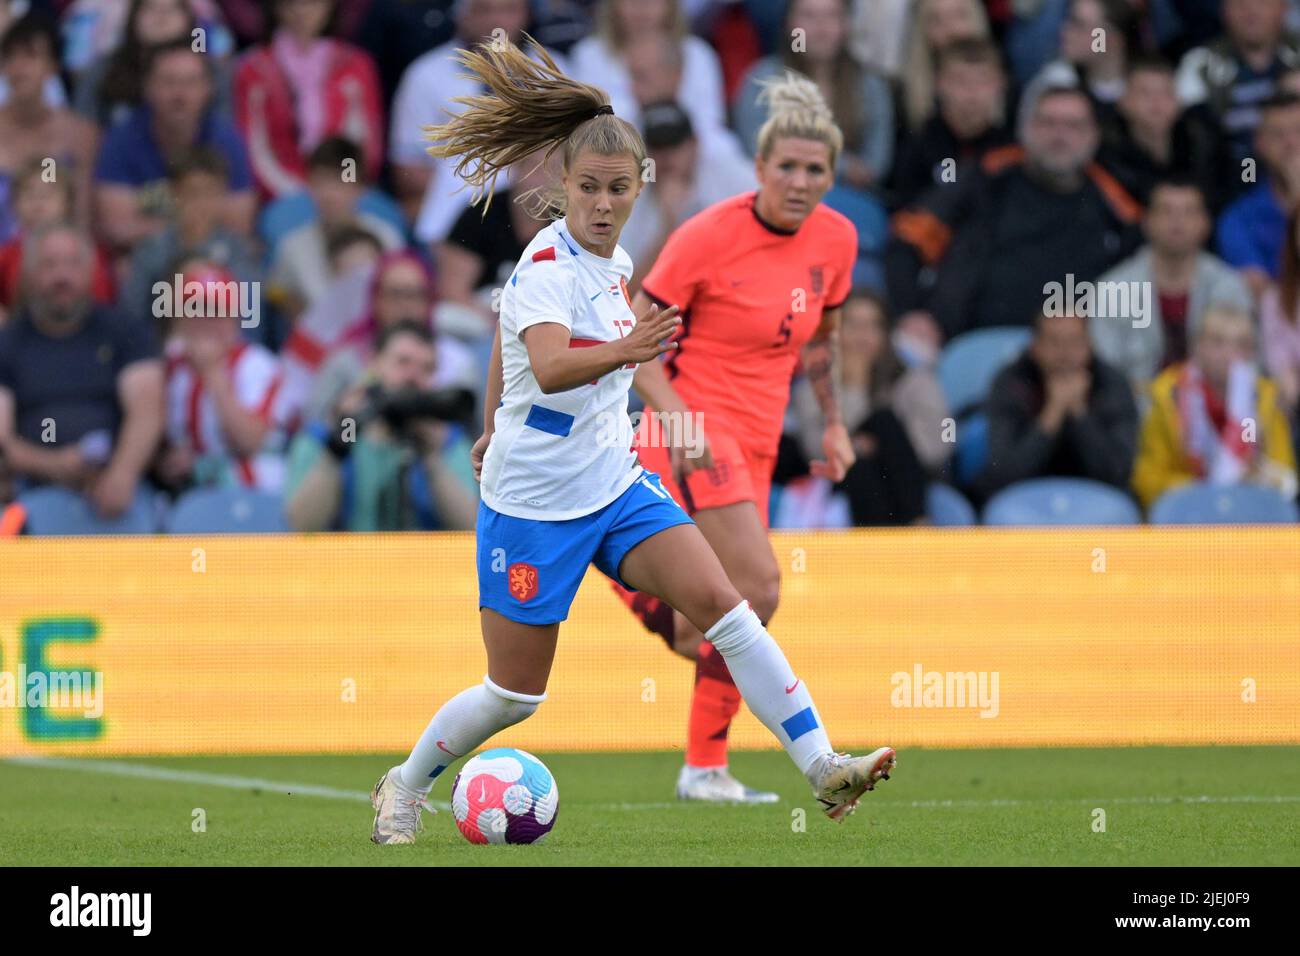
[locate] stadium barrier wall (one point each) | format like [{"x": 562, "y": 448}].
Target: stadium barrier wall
[{"x": 347, "y": 643}]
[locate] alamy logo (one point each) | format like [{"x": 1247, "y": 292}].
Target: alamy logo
[
  {"x": 1103, "y": 300},
  {"x": 945, "y": 689},
  {"x": 209, "y": 299},
  {"x": 103, "y": 909},
  {"x": 54, "y": 689}
]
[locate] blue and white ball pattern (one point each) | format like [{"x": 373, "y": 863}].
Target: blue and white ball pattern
[{"x": 504, "y": 795}]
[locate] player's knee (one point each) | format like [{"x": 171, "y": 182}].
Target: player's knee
[
  {"x": 764, "y": 593},
  {"x": 511, "y": 706},
  {"x": 719, "y": 600}
]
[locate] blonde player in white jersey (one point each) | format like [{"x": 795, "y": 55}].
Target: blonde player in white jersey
[{"x": 561, "y": 485}]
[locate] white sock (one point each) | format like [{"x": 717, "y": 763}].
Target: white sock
[
  {"x": 463, "y": 723},
  {"x": 777, "y": 698}
]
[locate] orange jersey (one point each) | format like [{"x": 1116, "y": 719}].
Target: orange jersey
[{"x": 751, "y": 296}]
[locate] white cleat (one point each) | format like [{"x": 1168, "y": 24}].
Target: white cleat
[
  {"x": 397, "y": 810},
  {"x": 717, "y": 785},
  {"x": 847, "y": 778}
]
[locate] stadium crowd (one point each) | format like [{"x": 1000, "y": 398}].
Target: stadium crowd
[{"x": 1142, "y": 157}]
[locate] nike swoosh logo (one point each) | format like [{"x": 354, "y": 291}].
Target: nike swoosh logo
[
  {"x": 790, "y": 689},
  {"x": 444, "y": 749}
]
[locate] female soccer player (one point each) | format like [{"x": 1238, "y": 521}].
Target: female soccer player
[
  {"x": 557, "y": 493},
  {"x": 760, "y": 279}
]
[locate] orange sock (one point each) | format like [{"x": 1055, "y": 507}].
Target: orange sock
[{"x": 714, "y": 703}]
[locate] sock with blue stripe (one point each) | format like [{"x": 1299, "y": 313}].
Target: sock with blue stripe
[
  {"x": 777, "y": 698},
  {"x": 462, "y": 725}
]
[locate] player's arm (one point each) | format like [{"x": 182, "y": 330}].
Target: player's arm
[
  {"x": 821, "y": 364},
  {"x": 559, "y": 368},
  {"x": 496, "y": 384}
]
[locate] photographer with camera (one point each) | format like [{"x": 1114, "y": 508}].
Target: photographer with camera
[{"x": 395, "y": 456}]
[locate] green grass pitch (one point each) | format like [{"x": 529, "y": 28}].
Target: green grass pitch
[{"x": 1162, "y": 806}]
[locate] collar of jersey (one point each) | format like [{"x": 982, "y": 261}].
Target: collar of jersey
[{"x": 562, "y": 230}]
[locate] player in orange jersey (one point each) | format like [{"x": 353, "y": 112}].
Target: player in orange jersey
[{"x": 759, "y": 279}]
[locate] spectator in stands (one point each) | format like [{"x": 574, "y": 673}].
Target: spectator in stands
[
  {"x": 396, "y": 32},
  {"x": 935, "y": 24},
  {"x": 1251, "y": 231},
  {"x": 979, "y": 252},
  {"x": 428, "y": 189},
  {"x": 95, "y": 28},
  {"x": 1099, "y": 68},
  {"x": 200, "y": 187},
  {"x": 689, "y": 175},
  {"x": 1236, "y": 73},
  {"x": 601, "y": 59},
  {"x": 132, "y": 199},
  {"x": 38, "y": 203},
  {"x": 1280, "y": 326},
  {"x": 895, "y": 416},
  {"x": 1147, "y": 139},
  {"x": 859, "y": 98},
  {"x": 484, "y": 245},
  {"x": 111, "y": 88},
  {"x": 226, "y": 424},
  {"x": 30, "y": 129},
  {"x": 1059, "y": 411},
  {"x": 1179, "y": 279},
  {"x": 367, "y": 471},
  {"x": 401, "y": 290},
  {"x": 302, "y": 87},
  {"x": 300, "y": 270},
  {"x": 81, "y": 401},
  {"x": 1215, "y": 418},
  {"x": 971, "y": 87}
]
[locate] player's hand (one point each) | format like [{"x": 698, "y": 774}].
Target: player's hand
[
  {"x": 476, "y": 455},
  {"x": 686, "y": 460},
  {"x": 839, "y": 455},
  {"x": 648, "y": 339}
]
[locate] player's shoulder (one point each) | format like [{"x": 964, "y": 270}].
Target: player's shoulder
[
  {"x": 832, "y": 225},
  {"x": 550, "y": 253},
  {"x": 719, "y": 221}
]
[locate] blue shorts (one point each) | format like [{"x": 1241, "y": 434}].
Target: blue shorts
[{"x": 529, "y": 571}]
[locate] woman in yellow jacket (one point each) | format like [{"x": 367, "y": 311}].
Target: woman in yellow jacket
[{"x": 1214, "y": 418}]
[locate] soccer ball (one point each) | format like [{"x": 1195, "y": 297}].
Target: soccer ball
[{"x": 504, "y": 795}]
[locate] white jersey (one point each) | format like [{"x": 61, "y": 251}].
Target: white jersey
[
  {"x": 561, "y": 456},
  {"x": 256, "y": 375}
]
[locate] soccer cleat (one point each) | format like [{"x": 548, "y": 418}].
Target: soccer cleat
[
  {"x": 717, "y": 785},
  {"x": 397, "y": 810},
  {"x": 847, "y": 778}
]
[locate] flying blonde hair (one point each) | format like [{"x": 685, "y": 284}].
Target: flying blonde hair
[
  {"x": 796, "y": 108},
  {"x": 529, "y": 106}
]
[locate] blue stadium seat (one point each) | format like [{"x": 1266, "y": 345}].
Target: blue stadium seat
[
  {"x": 947, "y": 507},
  {"x": 1202, "y": 503},
  {"x": 227, "y": 511},
  {"x": 58, "y": 511},
  {"x": 972, "y": 451},
  {"x": 970, "y": 362},
  {"x": 1061, "y": 501}
]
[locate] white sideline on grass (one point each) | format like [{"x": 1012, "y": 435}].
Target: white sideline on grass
[{"x": 232, "y": 782}]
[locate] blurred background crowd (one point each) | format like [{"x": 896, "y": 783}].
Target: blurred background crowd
[{"x": 993, "y": 147}]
